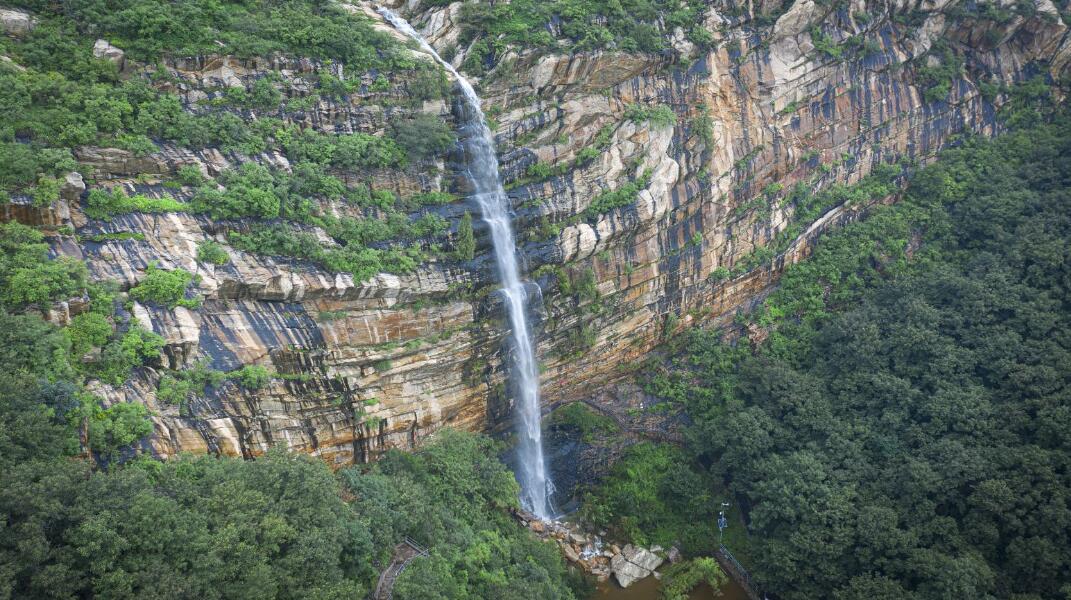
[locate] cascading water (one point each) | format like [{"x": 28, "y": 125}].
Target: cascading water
[{"x": 536, "y": 486}]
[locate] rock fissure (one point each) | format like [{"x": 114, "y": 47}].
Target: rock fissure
[{"x": 759, "y": 109}]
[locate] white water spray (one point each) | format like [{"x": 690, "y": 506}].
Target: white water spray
[{"x": 536, "y": 486}]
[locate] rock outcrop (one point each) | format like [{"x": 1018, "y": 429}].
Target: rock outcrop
[
  {"x": 15, "y": 22},
  {"x": 633, "y": 564},
  {"x": 366, "y": 366}
]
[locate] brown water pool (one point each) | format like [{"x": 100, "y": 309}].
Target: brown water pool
[{"x": 647, "y": 589}]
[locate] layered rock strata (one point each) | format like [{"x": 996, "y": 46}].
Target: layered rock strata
[{"x": 370, "y": 365}]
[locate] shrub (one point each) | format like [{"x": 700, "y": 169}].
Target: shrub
[
  {"x": 584, "y": 420},
  {"x": 540, "y": 170},
  {"x": 87, "y": 331},
  {"x": 167, "y": 288},
  {"x": 176, "y": 388},
  {"x": 719, "y": 274},
  {"x": 622, "y": 196},
  {"x": 212, "y": 252},
  {"x": 46, "y": 191},
  {"x": 123, "y": 354},
  {"x": 190, "y": 175},
  {"x": 252, "y": 377},
  {"x": 680, "y": 579},
  {"x": 430, "y": 199},
  {"x": 139, "y": 145},
  {"x": 823, "y": 44},
  {"x": 117, "y": 427},
  {"x": 423, "y": 136},
  {"x": 28, "y": 275},
  {"x": 250, "y": 191},
  {"x": 658, "y": 116},
  {"x": 102, "y": 204}
]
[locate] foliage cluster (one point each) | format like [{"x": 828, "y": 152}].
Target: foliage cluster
[
  {"x": 680, "y": 579},
  {"x": 655, "y": 494},
  {"x": 625, "y": 195},
  {"x": 628, "y": 25},
  {"x": 28, "y": 276},
  {"x": 149, "y": 30},
  {"x": 657, "y": 116},
  {"x": 586, "y": 422},
  {"x": 166, "y": 288},
  {"x": 902, "y": 433}
]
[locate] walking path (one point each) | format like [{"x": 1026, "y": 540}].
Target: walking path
[{"x": 404, "y": 554}]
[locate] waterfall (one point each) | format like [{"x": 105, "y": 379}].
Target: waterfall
[{"x": 536, "y": 486}]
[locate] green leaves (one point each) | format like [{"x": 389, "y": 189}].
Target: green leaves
[
  {"x": 103, "y": 204},
  {"x": 880, "y": 434},
  {"x": 212, "y": 252},
  {"x": 28, "y": 275},
  {"x": 117, "y": 427},
  {"x": 424, "y": 136},
  {"x": 657, "y": 116},
  {"x": 167, "y": 288}
]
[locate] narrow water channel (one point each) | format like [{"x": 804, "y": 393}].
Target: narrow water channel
[{"x": 648, "y": 589}]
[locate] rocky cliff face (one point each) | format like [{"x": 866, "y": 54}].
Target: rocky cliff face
[{"x": 804, "y": 94}]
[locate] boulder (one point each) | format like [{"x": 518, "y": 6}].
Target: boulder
[
  {"x": 674, "y": 555},
  {"x": 102, "y": 49},
  {"x": 15, "y": 22},
  {"x": 73, "y": 186},
  {"x": 634, "y": 563}
]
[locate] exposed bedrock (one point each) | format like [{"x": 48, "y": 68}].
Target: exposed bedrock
[{"x": 381, "y": 363}]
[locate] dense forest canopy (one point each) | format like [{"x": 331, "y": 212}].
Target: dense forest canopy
[{"x": 904, "y": 432}]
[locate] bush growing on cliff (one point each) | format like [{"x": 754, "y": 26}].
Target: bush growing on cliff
[
  {"x": 423, "y": 136},
  {"x": 627, "y": 25},
  {"x": 167, "y": 288},
  {"x": 657, "y": 116},
  {"x": 212, "y": 252},
  {"x": 250, "y": 191},
  {"x": 123, "y": 354},
  {"x": 103, "y": 204},
  {"x": 119, "y": 426},
  {"x": 624, "y": 195},
  {"x": 28, "y": 275},
  {"x": 87, "y": 331},
  {"x": 584, "y": 420},
  {"x": 252, "y": 377}
]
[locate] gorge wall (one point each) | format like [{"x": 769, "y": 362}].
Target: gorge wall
[{"x": 801, "y": 94}]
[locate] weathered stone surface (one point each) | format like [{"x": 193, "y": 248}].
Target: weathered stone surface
[
  {"x": 102, "y": 49},
  {"x": 634, "y": 563},
  {"x": 383, "y": 363},
  {"x": 15, "y": 22}
]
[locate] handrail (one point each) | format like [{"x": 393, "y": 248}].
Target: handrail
[
  {"x": 385, "y": 587},
  {"x": 739, "y": 573}
]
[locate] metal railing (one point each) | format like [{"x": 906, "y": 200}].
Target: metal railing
[
  {"x": 739, "y": 573},
  {"x": 395, "y": 570}
]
